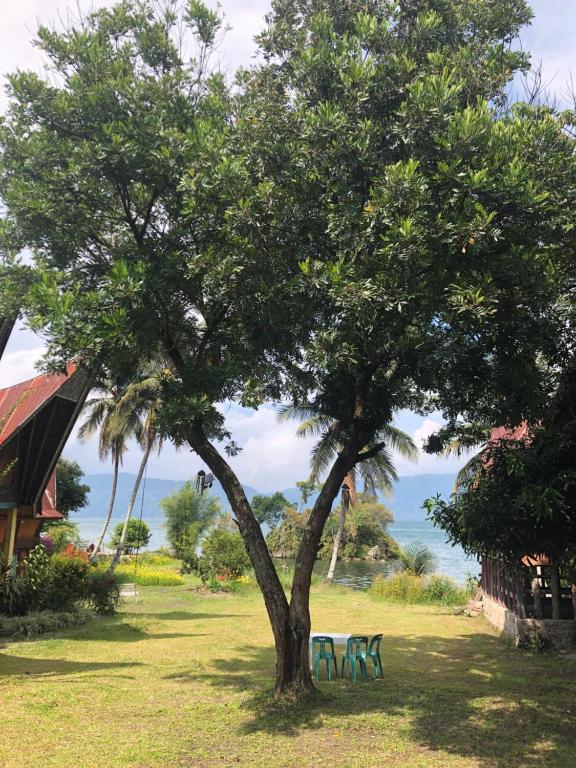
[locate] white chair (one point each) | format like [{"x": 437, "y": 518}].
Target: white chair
[{"x": 129, "y": 590}]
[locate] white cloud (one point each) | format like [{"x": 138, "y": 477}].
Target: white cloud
[
  {"x": 19, "y": 366},
  {"x": 429, "y": 427}
]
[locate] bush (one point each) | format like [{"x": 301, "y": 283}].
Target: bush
[
  {"x": 157, "y": 558},
  {"x": 55, "y": 584},
  {"x": 224, "y": 558},
  {"x": 67, "y": 582},
  {"x": 406, "y": 587},
  {"x": 37, "y": 623},
  {"x": 147, "y": 577},
  {"x": 103, "y": 591}
]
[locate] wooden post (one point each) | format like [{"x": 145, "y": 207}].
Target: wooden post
[
  {"x": 518, "y": 582},
  {"x": 10, "y": 535},
  {"x": 555, "y": 591},
  {"x": 573, "y": 593}
]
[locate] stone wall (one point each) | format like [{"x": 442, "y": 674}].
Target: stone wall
[{"x": 552, "y": 633}]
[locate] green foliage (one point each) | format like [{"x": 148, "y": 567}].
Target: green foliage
[
  {"x": 103, "y": 590},
  {"x": 138, "y": 535},
  {"x": 521, "y": 498},
  {"x": 67, "y": 582},
  {"x": 269, "y": 509},
  {"x": 365, "y": 528},
  {"x": 284, "y": 541},
  {"x": 62, "y": 534},
  {"x": 39, "y": 622},
  {"x": 146, "y": 575},
  {"x": 417, "y": 559},
  {"x": 71, "y": 493},
  {"x": 42, "y": 583},
  {"x": 406, "y": 587},
  {"x": 223, "y": 558},
  {"x": 188, "y": 514}
]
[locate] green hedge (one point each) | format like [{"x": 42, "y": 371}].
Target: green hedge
[{"x": 40, "y": 622}]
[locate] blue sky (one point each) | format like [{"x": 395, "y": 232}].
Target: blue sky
[{"x": 272, "y": 457}]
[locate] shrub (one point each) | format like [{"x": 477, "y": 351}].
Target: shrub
[
  {"x": 103, "y": 590},
  {"x": 147, "y": 577},
  {"x": 223, "y": 558},
  {"x": 67, "y": 582},
  {"x": 37, "y": 623},
  {"x": 24, "y": 589},
  {"x": 406, "y": 587}
]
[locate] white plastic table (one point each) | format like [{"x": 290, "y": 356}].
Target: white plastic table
[{"x": 339, "y": 638}]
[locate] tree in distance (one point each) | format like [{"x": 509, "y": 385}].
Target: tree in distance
[
  {"x": 188, "y": 514},
  {"x": 269, "y": 510},
  {"x": 137, "y": 536}
]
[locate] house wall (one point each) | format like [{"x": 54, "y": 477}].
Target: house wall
[{"x": 559, "y": 634}]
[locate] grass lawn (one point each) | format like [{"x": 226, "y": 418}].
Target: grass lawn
[{"x": 185, "y": 680}]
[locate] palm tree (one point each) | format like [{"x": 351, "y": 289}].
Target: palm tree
[
  {"x": 417, "y": 559},
  {"x": 114, "y": 433},
  {"x": 377, "y": 473},
  {"x": 140, "y": 404}
]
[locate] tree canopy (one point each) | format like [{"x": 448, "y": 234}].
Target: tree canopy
[
  {"x": 360, "y": 225},
  {"x": 269, "y": 509},
  {"x": 137, "y": 536},
  {"x": 71, "y": 492}
]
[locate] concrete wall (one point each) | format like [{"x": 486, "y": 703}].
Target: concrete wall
[{"x": 552, "y": 633}]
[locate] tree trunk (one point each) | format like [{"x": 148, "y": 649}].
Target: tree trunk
[
  {"x": 306, "y": 557},
  {"x": 285, "y": 639},
  {"x": 102, "y": 533},
  {"x": 132, "y": 502},
  {"x": 290, "y": 622},
  {"x": 555, "y": 590},
  {"x": 573, "y": 594},
  {"x": 348, "y": 499}
]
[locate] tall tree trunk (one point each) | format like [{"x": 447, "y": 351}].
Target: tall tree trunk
[
  {"x": 348, "y": 499},
  {"x": 264, "y": 569},
  {"x": 132, "y": 502},
  {"x": 102, "y": 533}
]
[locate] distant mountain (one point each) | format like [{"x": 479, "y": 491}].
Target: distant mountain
[
  {"x": 153, "y": 490},
  {"x": 406, "y": 502}
]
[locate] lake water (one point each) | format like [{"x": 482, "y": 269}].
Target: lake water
[{"x": 357, "y": 574}]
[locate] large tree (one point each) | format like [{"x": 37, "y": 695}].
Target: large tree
[{"x": 353, "y": 229}]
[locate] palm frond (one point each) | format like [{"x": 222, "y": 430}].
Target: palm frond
[
  {"x": 291, "y": 411},
  {"x": 399, "y": 441},
  {"x": 323, "y": 454}
]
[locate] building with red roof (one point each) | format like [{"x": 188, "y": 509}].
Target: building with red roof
[{"x": 36, "y": 418}]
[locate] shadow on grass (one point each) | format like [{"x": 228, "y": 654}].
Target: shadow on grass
[
  {"x": 116, "y": 630},
  {"x": 21, "y": 666},
  {"x": 472, "y": 696},
  {"x": 183, "y": 615}
]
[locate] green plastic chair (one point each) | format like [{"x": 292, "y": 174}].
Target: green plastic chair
[
  {"x": 373, "y": 653},
  {"x": 323, "y": 649},
  {"x": 356, "y": 652}
]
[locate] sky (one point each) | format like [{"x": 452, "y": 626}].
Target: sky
[{"x": 272, "y": 457}]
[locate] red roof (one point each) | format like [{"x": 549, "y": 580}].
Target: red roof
[
  {"x": 20, "y": 402},
  {"x": 503, "y": 433}
]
